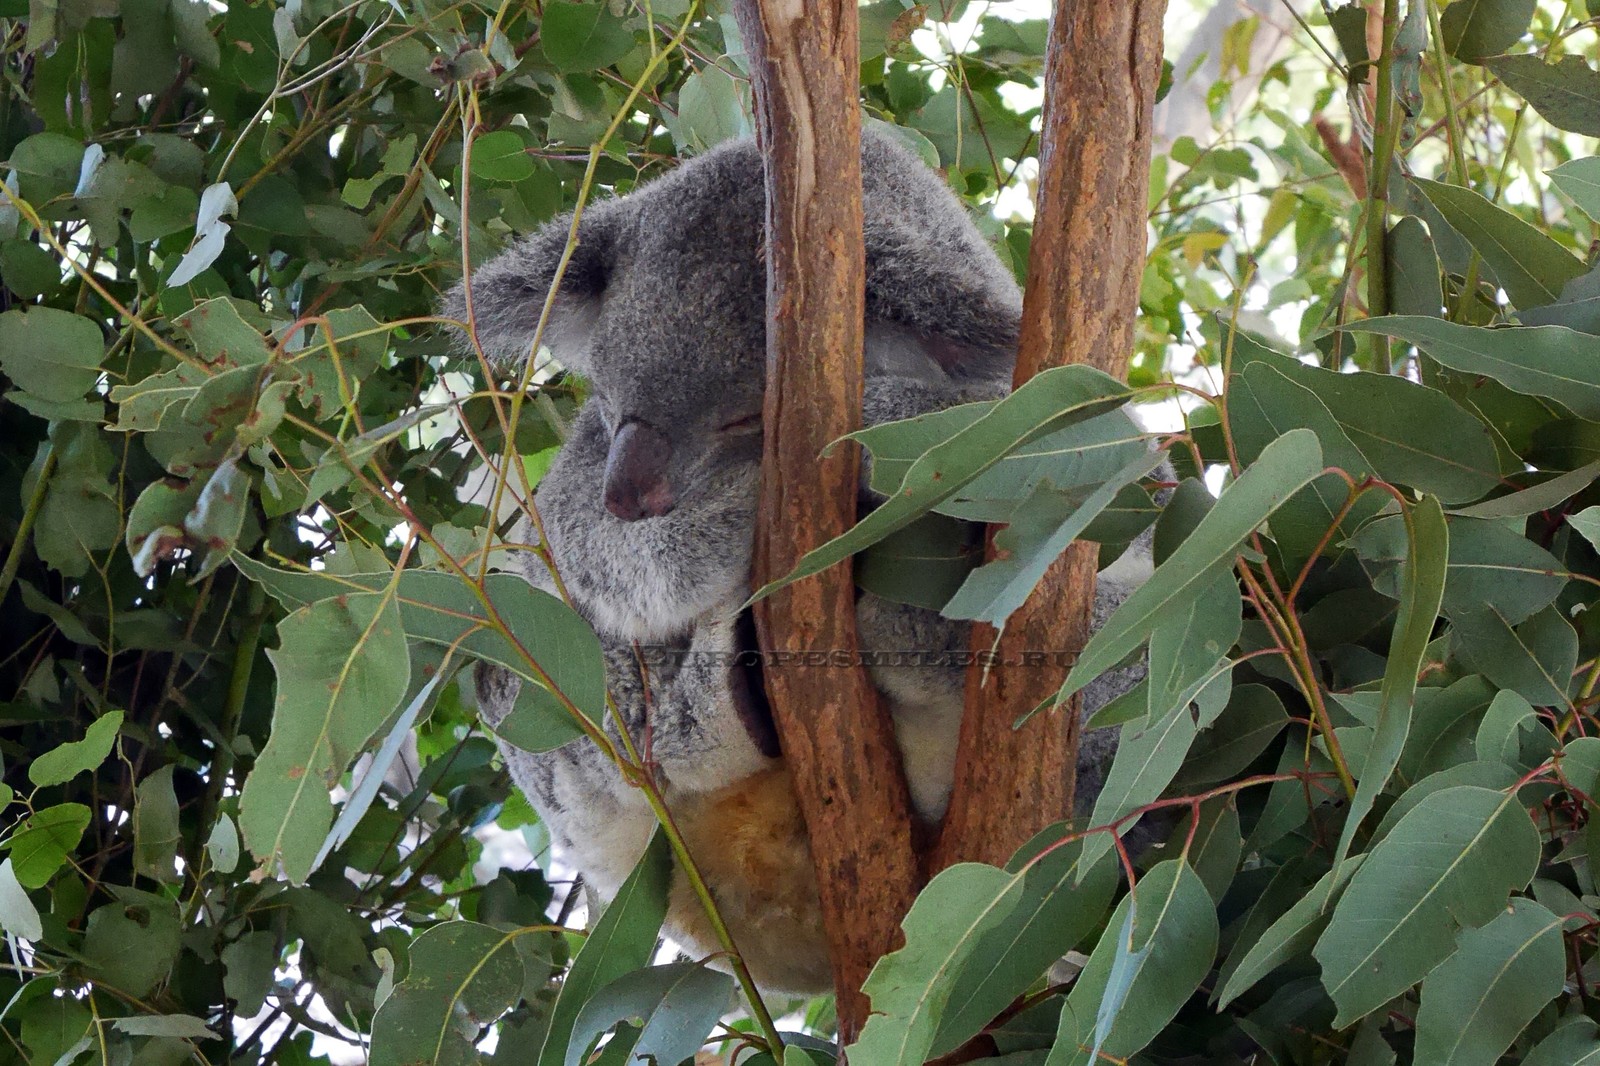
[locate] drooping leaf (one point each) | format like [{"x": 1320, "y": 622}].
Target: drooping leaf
[
  {"x": 1531, "y": 266},
  {"x": 1575, "y": 1043},
  {"x": 1060, "y": 904},
  {"x": 1290, "y": 936},
  {"x": 49, "y": 353},
  {"x": 1285, "y": 466},
  {"x": 1566, "y": 93},
  {"x": 461, "y": 972},
  {"x": 1501, "y": 976},
  {"x": 1039, "y": 531},
  {"x": 443, "y": 609},
  {"x": 1165, "y": 951},
  {"x": 1580, "y": 179},
  {"x": 342, "y": 668},
  {"x": 621, "y": 941},
  {"x": 675, "y": 1007},
  {"x": 1422, "y": 589},
  {"x": 910, "y": 988},
  {"x": 1052, "y": 400},
  {"x": 1414, "y": 284},
  {"x": 1549, "y": 361},
  {"x": 1449, "y": 864},
  {"x": 156, "y": 831},
  {"x": 18, "y": 916},
  {"x": 1535, "y": 659}
]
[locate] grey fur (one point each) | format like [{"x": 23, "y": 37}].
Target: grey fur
[{"x": 663, "y": 309}]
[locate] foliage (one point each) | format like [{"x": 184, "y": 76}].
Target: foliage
[{"x": 261, "y": 506}]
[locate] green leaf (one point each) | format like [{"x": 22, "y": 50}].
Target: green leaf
[
  {"x": 443, "y": 609},
  {"x": 1050, "y": 401},
  {"x": 156, "y": 832},
  {"x": 1215, "y": 843},
  {"x": 1285, "y": 466},
  {"x": 463, "y": 976},
  {"x": 27, "y": 269},
  {"x": 1580, "y": 179},
  {"x": 1414, "y": 283},
  {"x": 1038, "y": 532},
  {"x": 250, "y": 963},
  {"x": 62, "y": 764},
  {"x": 342, "y": 669},
  {"x": 1544, "y": 496},
  {"x": 1449, "y": 864},
  {"x": 1549, "y": 361},
  {"x": 1475, "y": 29},
  {"x": 1587, "y": 523},
  {"x": 1500, "y": 736},
  {"x": 1566, "y": 93},
  {"x": 50, "y": 354},
  {"x": 579, "y": 37},
  {"x": 131, "y": 944},
  {"x": 675, "y": 1007},
  {"x": 1499, "y": 979},
  {"x": 46, "y": 165},
  {"x": 182, "y": 1026},
  {"x": 220, "y": 333},
  {"x": 1157, "y": 948},
  {"x": 910, "y": 988},
  {"x": 1535, "y": 659},
  {"x": 1575, "y": 1043},
  {"x": 1405, "y": 433},
  {"x": 1061, "y": 903},
  {"x": 502, "y": 155},
  {"x": 1253, "y": 717},
  {"x": 622, "y": 941},
  {"x": 1496, "y": 776},
  {"x": 711, "y": 109},
  {"x": 1493, "y": 566},
  {"x": 41, "y": 844},
  {"x": 1287, "y": 938},
  {"x": 1531, "y": 266},
  {"x": 924, "y": 563},
  {"x": 1149, "y": 754},
  {"x": 1422, "y": 589}
]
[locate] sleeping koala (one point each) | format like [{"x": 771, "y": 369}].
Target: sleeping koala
[{"x": 649, "y": 513}]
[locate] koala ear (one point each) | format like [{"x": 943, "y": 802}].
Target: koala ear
[
  {"x": 933, "y": 281},
  {"x": 508, "y": 292}
]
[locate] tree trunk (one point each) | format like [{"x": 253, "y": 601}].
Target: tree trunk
[
  {"x": 1101, "y": 70},
  {"x": 837, "y": 737}
]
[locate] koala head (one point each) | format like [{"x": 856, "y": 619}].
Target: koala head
[{"x": 650, "y": 507}]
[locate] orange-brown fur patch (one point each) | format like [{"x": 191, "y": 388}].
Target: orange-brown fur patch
[{"x": 750, "y": 842}]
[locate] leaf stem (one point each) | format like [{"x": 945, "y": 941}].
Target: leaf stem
[
  {"x": 30, "y": 515},
  {"x": 1385, "y": 133}
]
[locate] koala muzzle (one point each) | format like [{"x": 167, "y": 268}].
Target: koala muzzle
[{"x": 636, "y": 472}]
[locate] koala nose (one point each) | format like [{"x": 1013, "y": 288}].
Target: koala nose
[{"x": 636, "y": 472}]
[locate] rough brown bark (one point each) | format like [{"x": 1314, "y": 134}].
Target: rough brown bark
[
  {"x": 1101, "y": 70},
  {"x": 837, "y": 738}
]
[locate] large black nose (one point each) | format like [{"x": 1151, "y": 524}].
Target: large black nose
[{"x": 636, "y": 472}]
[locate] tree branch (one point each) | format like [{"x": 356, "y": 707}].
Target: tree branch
[
  {"x": 1101, "y": 70},
  {"x": 837, "y": 737}
]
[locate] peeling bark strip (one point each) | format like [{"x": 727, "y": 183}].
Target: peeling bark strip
[
  {"x": 837, "y": 738},
  {"x": 1101, "y": 70}
]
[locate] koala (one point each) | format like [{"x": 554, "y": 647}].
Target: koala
[{"x": 649, "y": 513}]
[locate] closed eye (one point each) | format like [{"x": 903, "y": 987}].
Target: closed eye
[{"x": 746, "y": 424}]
